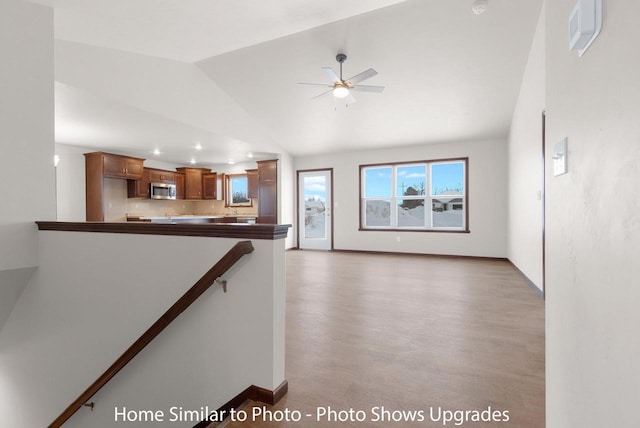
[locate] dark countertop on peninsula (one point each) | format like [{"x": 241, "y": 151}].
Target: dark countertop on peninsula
[{"x": 213, "y": 230}]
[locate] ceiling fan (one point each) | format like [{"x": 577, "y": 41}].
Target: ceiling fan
[{"x": 341, "y": 88}]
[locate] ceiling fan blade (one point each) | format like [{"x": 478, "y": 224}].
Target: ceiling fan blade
[
  {"x": 368, "y": 88},
  {"x": 324, "y": 85},
  {"x": 322, "y": 94},
  {"x": 328, "y": 71},
  {"x": 350, "y": 99},
  {"x": 362, "y": 76}
]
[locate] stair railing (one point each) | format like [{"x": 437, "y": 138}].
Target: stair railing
[{"x": 220, "y": 268}]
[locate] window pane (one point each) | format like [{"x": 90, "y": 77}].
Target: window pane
[
  {"x": 238, "y": 190},
  {"x": 411, "y": 213},
  {"x": 447, "y": 212},
  {"x": 377, "y": 213},
  {"x": 377, "y": 182},
  {"x": 411, "y": 180},
  {"x": 315, "y": 196},
  {"x": 447, "y": 179}
]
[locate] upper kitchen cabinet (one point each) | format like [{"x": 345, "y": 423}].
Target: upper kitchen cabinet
[
  {"x": 117, "y": 166},
  {"x": 268, "y": 191},
  {"x": 139, "y": 188},
  {"x": 99, "y": 165},
  {"x": 209, "y": 185},
  {"x": 180, "y": 179},
  {"x": 252, "y": 183},
  {"x": 193, "y": 182},
  {"x": 161, "y": 176}
]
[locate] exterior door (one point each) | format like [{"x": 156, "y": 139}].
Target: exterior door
[{"x": 315, "y": 223}]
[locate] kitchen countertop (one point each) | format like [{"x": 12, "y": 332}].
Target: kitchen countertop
[{"x": 196, "y": 218}]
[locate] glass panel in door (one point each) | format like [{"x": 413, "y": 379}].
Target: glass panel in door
[{"x": 314, "y": 196}]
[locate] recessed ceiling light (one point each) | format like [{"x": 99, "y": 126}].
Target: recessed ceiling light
[
  {"x": 249, "y": 155},
  {"x": 198, "y": 146},
  {"x": 230, "y": 162},
  {"x": 192, "y": 161},
  {"x": 156, "y": 152}
]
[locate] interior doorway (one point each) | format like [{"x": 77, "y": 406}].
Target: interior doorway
[{"x": 315, "y": 220}]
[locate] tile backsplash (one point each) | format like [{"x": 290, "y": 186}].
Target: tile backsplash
[
  {"x": 149, "y": 208},
  {"x": 118, "y": 207}
]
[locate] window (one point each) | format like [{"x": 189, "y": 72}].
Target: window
[
  {"x": 422, "y": 195},
  {"x": 237, "y": 191}
]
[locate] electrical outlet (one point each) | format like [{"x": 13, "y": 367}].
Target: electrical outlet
[{"x": 397, "y": 239}]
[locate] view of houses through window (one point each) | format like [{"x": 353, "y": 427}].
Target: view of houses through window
[{"x": 422, "y": 195}]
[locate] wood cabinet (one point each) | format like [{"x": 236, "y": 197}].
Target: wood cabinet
[
  {"x": 99, "y": 165},
  {"x": 252, "y": 183},
  {"x": 161, "y": 176},
  {"x": 117, "y": 166},
  {"x": 209, "y": 185},
  {"x": 139, "y": 188},
  {"x": 193, "y": 182},
  {"x": 268, "y": 191},
  {"x": 179, "y": 185}
]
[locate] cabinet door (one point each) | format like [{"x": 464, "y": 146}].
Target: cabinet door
[
  {"x": 267, "y": 170},
  {"x": 268, "y": 191},
  {"x": 209, "y": 186},
  {"x": 179, "y": 186},
  {"x": 252, "y": 183},
  {"x": 160, "y": 176},
  {"x": 114, "y": 166},
  {"x": 268, "y": 202},
  {"x": 122, "y": 167},
  {"x": 193, "y": 184},
  {"x": 133, "y": 168},
  {"x": 139, "y": 188}
]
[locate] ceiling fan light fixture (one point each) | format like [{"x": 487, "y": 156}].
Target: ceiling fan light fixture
[{"x": 340, "y": 91}]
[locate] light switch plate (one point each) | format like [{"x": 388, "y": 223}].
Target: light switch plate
[{"x": 560, "y": 157}]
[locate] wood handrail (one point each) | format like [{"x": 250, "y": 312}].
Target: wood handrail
[{"x": 222, "y": 266}]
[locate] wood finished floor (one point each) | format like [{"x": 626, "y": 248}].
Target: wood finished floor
[{"x": 410, "y": 333}]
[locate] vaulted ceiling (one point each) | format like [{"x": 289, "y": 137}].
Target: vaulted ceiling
[{"x": 170, "y": 74}]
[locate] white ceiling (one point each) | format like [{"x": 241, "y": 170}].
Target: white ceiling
[{"x": 167, "y": 74}]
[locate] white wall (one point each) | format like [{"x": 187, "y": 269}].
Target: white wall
[
  {"x": 525, "y": 165},
  {"x": 593, "y": 225},
  {"x": 26, "y": 140},
  {"x": 70, "y": 183},
  {"x": 95, "y": 293},
  {"x": 487, "y": 200},
  {"x": 287, "y": 197}
]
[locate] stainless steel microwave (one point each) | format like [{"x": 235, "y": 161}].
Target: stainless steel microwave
[{"x": 162, "y": 191}]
